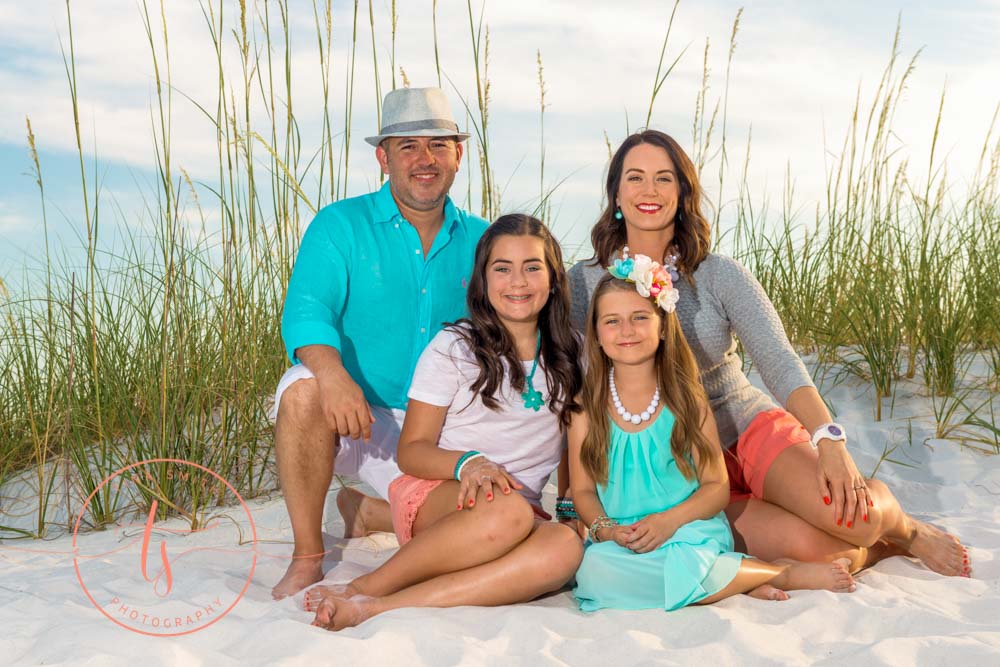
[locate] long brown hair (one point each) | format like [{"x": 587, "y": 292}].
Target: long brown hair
[
  {"x": 692, "y": 234},
  {"x": 492, "y": 345},
  {"x": 677, "y": 376}
]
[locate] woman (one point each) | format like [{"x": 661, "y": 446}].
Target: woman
[
  {"x": 490, "y": 400},
  {"x": 795, "y": 490}
]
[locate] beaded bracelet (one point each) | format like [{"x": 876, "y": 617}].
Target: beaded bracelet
[
  {"x": 603, "y": 521},
  {"x": 462, "y": 460},
  {"x": 565, "y": 509}
]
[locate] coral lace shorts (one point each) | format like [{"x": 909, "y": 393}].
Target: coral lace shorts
[{"x": 748, "y": 461}]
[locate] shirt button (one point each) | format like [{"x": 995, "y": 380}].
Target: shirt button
[
  {"x": 417, "y": 251},
  {"x": 423, "y": 330},
  {"x": 396, "y": 225},
  {"x": 423, "y": 290}
]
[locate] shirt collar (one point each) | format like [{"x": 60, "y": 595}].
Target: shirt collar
[{"x": 386, "y": 209}]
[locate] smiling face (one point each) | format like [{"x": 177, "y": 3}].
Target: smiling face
[
  {"x": 420, "y": 169},
  {"x": 628, "y": 326},
  {"x": 517, "y": 278},
  {"x": 649, "y": 190}
]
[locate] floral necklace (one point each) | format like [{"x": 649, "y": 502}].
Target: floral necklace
[{"x": 531, "y": 396}]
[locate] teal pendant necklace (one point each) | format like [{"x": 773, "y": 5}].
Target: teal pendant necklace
[{"x": 532, "y": 397}]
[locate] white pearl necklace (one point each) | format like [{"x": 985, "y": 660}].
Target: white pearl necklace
[{"x": 637, "y": 419}]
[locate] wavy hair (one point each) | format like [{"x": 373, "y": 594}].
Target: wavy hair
[
  {"x": 493, "y": 346},
  {"x": 692, "y": 234},
  {"x": 677, "y": 376}
]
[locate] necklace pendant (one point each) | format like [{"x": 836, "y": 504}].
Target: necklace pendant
[{"x": 532, "y": 399}]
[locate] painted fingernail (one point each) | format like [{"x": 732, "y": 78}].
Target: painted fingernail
[
  {"x": 850, "y": 524},
  {"x": 866, "y": 518},
  {"x": 460, "y": 506},
  {"x": 826, "y": 499},
  {"x": 506, "y": 491},
  {"x": 471, "y": 503},
  {"x": 489, "y": 497},
  {"x": 840, "y": 521},
  {"x": 870, "y": 503}
]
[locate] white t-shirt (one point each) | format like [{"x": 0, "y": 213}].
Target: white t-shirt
[{"x": 526, "y": 443}]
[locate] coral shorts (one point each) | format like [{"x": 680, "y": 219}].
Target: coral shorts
[
  {"x": 748, "y": 461},
  {"x": 406, "y": 496}
]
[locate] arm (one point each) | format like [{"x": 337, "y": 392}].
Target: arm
[
  {"x": 418, "y": 455},
  {"x": 756, "y": 322},
  {"x": 317, "y": 292},
  {"x": 584, "y": 490},
  {"x": 343, "y": 403},
  {"x": 838, "y": 476},
  {"x": 710, "y": 498}
]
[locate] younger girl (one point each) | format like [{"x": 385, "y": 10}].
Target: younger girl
[
  {"x": 646, "y": 467},
  {"x": 489, "y": 402}
]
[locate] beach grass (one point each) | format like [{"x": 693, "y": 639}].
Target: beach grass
[{"x": 167, "y": 345}]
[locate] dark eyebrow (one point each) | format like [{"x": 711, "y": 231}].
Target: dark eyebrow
[
  {"x": 642, "y": 171},
  {"x": 507, "y": 261}
]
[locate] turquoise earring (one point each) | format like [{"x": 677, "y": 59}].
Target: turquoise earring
[{"x": 618, "y": 214}]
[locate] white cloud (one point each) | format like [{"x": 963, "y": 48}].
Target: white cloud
[{"x": 796, "y": 71}]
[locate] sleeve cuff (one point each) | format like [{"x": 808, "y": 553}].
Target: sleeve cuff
[
  {"x": 310, "y": 333},
  {"x": 431, "y": 398}
]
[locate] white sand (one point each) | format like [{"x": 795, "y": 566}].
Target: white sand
[{"x": 901, "y": 614}]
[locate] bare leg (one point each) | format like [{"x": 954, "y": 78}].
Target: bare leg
[
  {"x": 770, "y": 580},
  {"x": 304, "y": 448},
  {"x": 486, "y": 532},
  {"x": 363, "y": 514},
  {"x": 771, "y": 533},
  {"x": 543, "y": 562},
  {"x": 791, "y": 483}
]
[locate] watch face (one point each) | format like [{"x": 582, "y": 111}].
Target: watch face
[{"x": 834, "y": 430}]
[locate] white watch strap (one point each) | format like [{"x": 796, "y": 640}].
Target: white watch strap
[{"x": 829, "y": 431}]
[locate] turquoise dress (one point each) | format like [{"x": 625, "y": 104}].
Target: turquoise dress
[{"x": 696, "y": 562}]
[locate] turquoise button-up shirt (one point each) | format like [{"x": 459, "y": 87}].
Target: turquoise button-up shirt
[{"x": 362, "y": 285}]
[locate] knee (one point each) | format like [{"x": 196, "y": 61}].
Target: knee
[
  {"x": 299, "y": 403},
  {"x": 505, "y": 519},
  {"x": 563, "y": 555},
  {"x": 868, "y": 531}
]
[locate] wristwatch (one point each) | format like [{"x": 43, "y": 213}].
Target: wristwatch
[{"x": 829, "y": 431}]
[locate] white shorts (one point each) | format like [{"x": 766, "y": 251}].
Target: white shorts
[{"x": 373, "y": 462}]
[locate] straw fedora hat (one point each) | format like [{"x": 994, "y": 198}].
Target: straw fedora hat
[{"x": 417, "y": 112}]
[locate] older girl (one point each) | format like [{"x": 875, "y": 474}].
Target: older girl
[{"x": 489, "y": 402}]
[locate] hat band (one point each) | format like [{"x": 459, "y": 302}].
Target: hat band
[{"x": 415, "y": 125}]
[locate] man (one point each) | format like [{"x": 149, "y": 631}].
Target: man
[{"x": 374, "y": 279}]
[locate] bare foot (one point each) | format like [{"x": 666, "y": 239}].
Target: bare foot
[
  {"x": 317, "y": 594},
  {"x": 362, "y": 514},
  {"x": 833, "y": 576},
  {"x": 768, "y": 592},
  {"x": 941, "y": 552},
  {"x": 302, "y": 572},
  {"x": 336, "y": 613}
]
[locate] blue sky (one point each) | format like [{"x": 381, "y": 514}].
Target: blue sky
[{"x": 796, "y": 71}]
